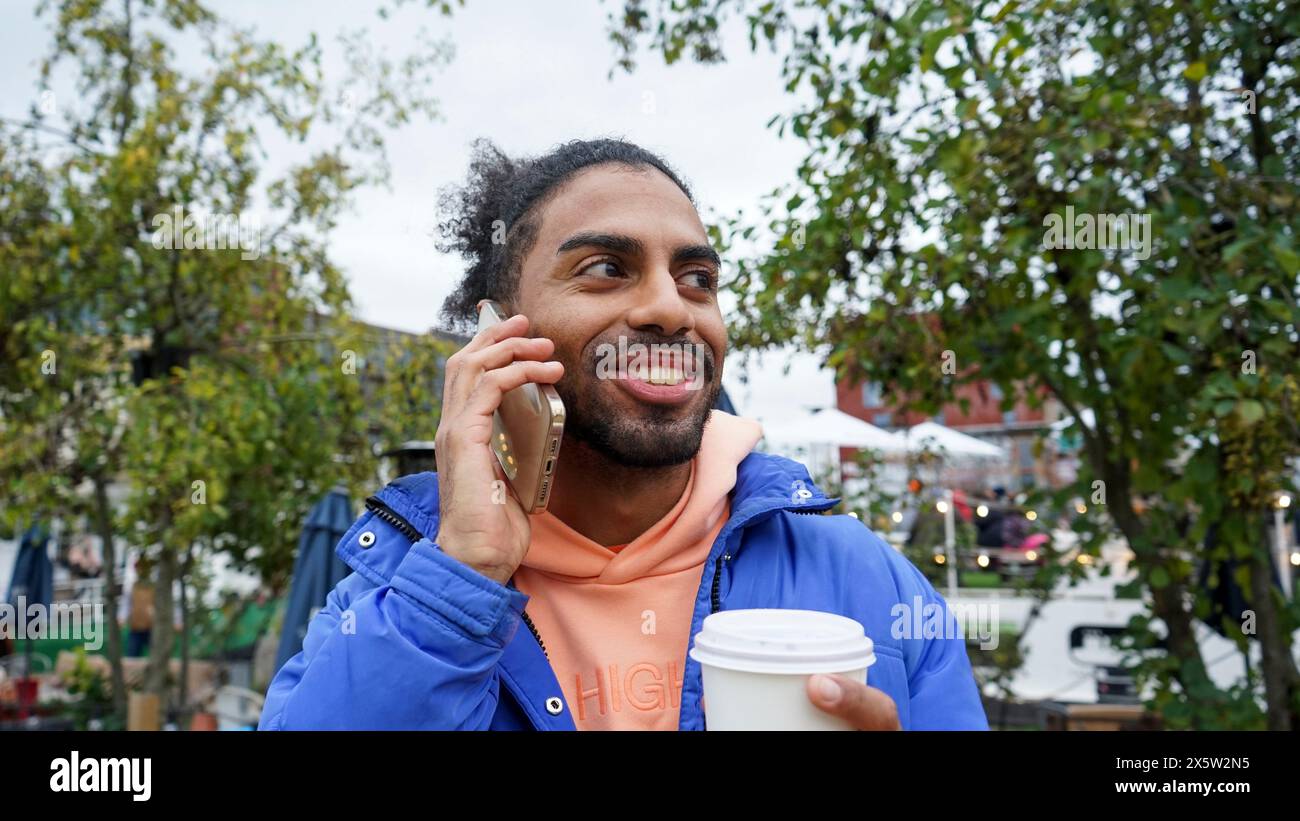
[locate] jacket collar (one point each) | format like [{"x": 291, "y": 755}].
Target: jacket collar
[{"x": 765, "y": 483}]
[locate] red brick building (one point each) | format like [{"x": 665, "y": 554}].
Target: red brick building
[{"x": 1016, "y": 429}]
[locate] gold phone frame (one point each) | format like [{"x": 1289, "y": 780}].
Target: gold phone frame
[{"x": 527, "y": 430}]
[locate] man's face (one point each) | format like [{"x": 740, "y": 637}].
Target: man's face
[{"x": 621, "y": 277}]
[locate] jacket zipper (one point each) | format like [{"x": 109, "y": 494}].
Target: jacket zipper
[
  {"x": 392, "y": 517},
  {"x": 532, "y": 628},
  {"x": 717, "y": 583},
  {"x": 387, "y": 514},
  {"x": 715, "y": 598}
]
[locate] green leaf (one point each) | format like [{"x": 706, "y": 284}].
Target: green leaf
[
  {"x": 1159, "y": 578},
  {"x": 1287, "y": 258},
  {"x": 1235, "y": 249},
  {"x": 1250, "y": 411},
  {"x": 930, "y": 45},
  {"x": 1005, "y": 10},
  {"x": 1175, "y": 353},
  {"x": 1195, "y": 72}
]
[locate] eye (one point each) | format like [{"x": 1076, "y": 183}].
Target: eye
[
  {"x": 702, "y": 278},
  {"x": 603, "y": 269}
]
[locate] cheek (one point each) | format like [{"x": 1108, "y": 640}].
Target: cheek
[
  {"x": 715, "y": 336},
  {"x": 570, "y": 352},
  {"x": 568, "y": 346}
]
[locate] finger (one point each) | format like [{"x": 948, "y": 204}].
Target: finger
[
  {"x": 516, "y": 325},
  {"x": 486, "y": 397},
  {"x": 470, "y": 365},
  {"x": 497, "y": 355},
  {"x": 863, "y": 707}
]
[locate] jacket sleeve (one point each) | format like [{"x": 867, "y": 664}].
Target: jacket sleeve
[
  {"x": 419, "y": 652},
  {"x": 944, "y": 694}
]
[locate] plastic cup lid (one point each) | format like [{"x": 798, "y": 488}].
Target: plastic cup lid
[{"x": 783, "y": 641}]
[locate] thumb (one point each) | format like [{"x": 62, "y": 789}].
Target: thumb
[{"x": 863, "y": 707}]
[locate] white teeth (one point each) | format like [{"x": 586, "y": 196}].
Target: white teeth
[
  {"x": 664, "y": 376},
  {"x": 655, "y": 374}
]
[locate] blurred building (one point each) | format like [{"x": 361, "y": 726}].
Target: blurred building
[{"x": 1038, "y": 456}]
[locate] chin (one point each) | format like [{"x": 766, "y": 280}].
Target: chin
[{"x": 643, "y": 436}]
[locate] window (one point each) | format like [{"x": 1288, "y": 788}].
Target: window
[
  {"x": 873, "y": 396},
  {"x": 941, "y": 417},
  {"x": 883, "y": 420},
  {"x": 1026, "y": 455}
]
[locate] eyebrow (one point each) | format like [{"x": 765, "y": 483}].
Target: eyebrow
[{"x": 631, "y": 246}]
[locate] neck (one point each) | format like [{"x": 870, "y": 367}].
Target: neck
[{"x": 609, "y": 503}]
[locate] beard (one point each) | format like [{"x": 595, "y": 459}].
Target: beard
[{"x": 652, "y": 436}]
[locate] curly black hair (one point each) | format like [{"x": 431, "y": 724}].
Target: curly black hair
[{"x": 492, "y": 222}]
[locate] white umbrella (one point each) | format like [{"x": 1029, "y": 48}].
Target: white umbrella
[
  {"x": 833, "y": 427},
  {"x": 931, "y": 436}
]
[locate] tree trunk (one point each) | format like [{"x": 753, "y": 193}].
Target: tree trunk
[
  {"x": 1277, "y": 666},
  {"x": 164, "y": 633},
  {"x": 113, "y": 645},
  {"x": 1168, "y": 603}
]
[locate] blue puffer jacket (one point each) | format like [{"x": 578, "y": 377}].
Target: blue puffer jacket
[{"x": 414, "y": 639}]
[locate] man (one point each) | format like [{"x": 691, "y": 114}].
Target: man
[
  {"x": 140, "y": 617},
  {"x": 467, "y": 613}
]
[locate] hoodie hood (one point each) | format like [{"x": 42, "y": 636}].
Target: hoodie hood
[{"x": 562, "y": 553}]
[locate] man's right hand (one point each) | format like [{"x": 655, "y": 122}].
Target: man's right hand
[{"x": 474, "y": 526}]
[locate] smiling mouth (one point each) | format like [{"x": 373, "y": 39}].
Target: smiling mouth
[
  {"x": 661, "y": 379},
  {"x": 663, "y": 373}
]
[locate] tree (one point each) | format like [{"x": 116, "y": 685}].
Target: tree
[
  {"x": 962, "y": 157},
  {"x": 171, "y": 320}
]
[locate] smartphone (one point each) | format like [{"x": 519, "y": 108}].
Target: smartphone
[{"x": 526, "y": 430}]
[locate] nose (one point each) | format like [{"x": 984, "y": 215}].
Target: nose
[{"x": 660, "y": 308}]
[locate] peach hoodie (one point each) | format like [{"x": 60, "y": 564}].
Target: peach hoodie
[{"x": 616, "y": 620}]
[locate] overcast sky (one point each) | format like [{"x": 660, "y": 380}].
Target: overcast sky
[{"x": 528, "y": 75}]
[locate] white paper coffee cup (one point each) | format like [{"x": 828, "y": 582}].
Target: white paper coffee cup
[{"x": 756, "y": 665}]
